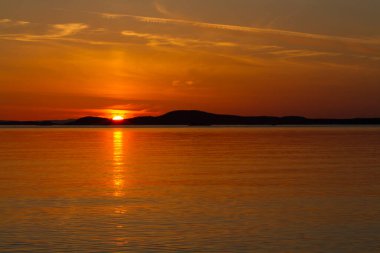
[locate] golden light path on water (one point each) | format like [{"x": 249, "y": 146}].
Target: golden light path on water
[
  {"x": 119, "y": 184},
  {"x": 118, "y": 163}
]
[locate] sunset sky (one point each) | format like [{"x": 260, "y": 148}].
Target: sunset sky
[{"x": 67, "y": 59}]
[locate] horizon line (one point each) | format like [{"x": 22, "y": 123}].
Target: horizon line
[{"x": 190, "y": 110}]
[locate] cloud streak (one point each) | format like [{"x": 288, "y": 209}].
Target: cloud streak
[
  {"x": 7, "y": 21},
  {"x": 57, "y": 31},
  {"x": 162, "y": 9},
  {"x": 245, "y": 29},
  {"x": 64, "y": 30},
  {"x": 273, "y": 43},
  {"x": 175, "y": 41}
]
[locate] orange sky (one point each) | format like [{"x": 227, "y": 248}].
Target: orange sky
[{"x": 67, "y": 59}]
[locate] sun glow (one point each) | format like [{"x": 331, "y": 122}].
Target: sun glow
[{"x": 118, "y": 118}]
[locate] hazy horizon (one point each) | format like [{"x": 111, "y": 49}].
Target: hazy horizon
[{"x": 160, "y": 114}]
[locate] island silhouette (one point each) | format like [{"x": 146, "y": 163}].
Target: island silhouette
[{"x": 200, "y": 118}]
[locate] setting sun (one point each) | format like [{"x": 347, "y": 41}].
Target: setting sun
[{"x": 118, "y": 118}]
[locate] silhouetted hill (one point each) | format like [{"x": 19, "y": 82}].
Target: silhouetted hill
[
  {"x": 204, "y": 118},
  {"x": 36, "y": 123},
  {"x": 27, "y": 123},
  {"x": 192, "y": 118},
  {"x": 91, "y": 121}
]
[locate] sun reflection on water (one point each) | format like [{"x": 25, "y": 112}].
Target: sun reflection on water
[{"x": 118, "y": 163}]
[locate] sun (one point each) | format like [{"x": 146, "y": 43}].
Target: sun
[{"x": 118, "y": 118}]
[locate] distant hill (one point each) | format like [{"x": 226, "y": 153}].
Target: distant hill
[
  {"x": 200, "y": 118},
  {"x": 91, "y": 121},
  {"x": 26, "y": 123},
  {"x": 204, "y": 118}
]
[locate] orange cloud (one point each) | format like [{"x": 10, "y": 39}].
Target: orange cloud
[
  {"x": 57, "y": 31},
  {"x": 370, "y": 41}
]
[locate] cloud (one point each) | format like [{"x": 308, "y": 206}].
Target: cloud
[
  {"x": 21, "y": 22},
  {"x": 253, "y": 42},
  {"x": 111, "y": 15},
  {"x": 259, "y": 50},
  {"x": 5, "y": 20},
  {"x": 161, "y": 39},
  {"x": 57, "y": 31},
  {"x": 245, "y": 29},
  {"x": 301, "y": 53},
  {"x": 248, "y": 46},
  {"x": 179, "y": 83},
  {"x": 162, "y": 9},
  {"x": 13, "y": 22},
  {"x": 63, "y": 30}
]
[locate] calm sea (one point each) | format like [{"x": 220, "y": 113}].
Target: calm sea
[{"x": 258, "y": 189}]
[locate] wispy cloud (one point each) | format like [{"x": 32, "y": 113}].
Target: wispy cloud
[
  {"x": 253, "y": 43},
  {"x": 63, "y": 30},
  {"x": 165, "y": 11},
  {"x": 257, "y": 50},
  {"x": 162, "y": 9},
  {"x": 183, "y": 83},
  {"x": 295, "y": 53},
  {"x": 57, "y": 31},
  {"x": 13, "y": 22},
  {"x": 155, "y": 39},
  {"x": 5, "y": 20},
  {"x": 245, "y": 29},
  {"x": 111, "y": 15}
]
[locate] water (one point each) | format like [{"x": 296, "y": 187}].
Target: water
[{"x": 291, "y": 189}]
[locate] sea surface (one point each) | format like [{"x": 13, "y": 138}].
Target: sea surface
[{"x": 212, "y": 189}]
